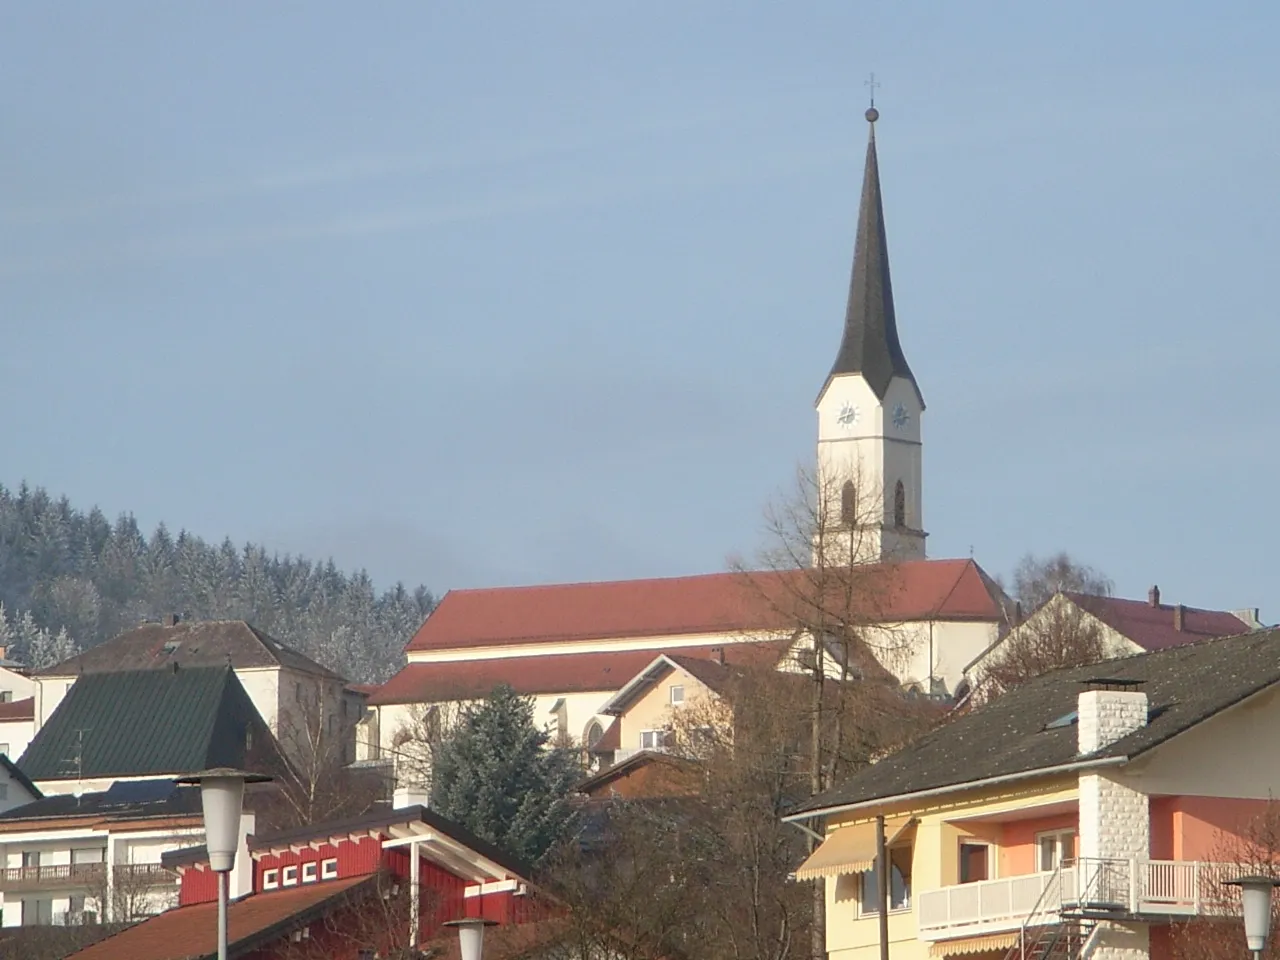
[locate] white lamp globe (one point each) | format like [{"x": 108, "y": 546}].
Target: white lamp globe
[
  {"x": 471, "y": 936},
  {"x": 1255, "y": 901},
  {"x": 222, "y": 797}
]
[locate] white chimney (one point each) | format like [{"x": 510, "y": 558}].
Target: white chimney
[
  {"x": 1107, "y": 711},
  {"x": 409, "y": 797}
]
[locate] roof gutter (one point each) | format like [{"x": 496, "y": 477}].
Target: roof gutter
[{"x": 955, "y": 788}]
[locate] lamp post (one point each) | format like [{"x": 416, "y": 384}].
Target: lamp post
[
  {"x": 222, "y": 798},
  {"x": 1255, "y": 899},
  {"x": 471, "y": 936}
]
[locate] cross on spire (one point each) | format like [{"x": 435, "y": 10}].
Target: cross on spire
[{"x": 871, "y": 84}]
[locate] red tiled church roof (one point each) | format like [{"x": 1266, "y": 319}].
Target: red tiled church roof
[
  {"x": 604, "y": 671},
  {"x": 1151, "y": 626},
  {"x": 191, "y": 931},
  {"x": 715, "y": 603}
]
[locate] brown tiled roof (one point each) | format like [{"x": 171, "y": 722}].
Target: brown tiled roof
[
  {"x": 1031, "y": 728},
  {"x": 718, "y": 603},
  {"x": 18, "y": 710},
  {"x": 194, "y": 643},
  {"x": 1151, "y": 626},
  {"x": 641, "y": 758},
  {"x": 555, "y": 673},
  {"x": 188, "y": 933}
]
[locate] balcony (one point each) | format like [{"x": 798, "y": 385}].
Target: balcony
[
  {"x": 1121, "y": 888},
  {"x": 59, "y": 877},
  {"x": 143, "y": 874}
]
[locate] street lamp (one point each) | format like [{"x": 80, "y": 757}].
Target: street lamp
[
  {"x": 1255, "y": 898},
  {"x": 222, "y": 797},
  {"x": 471, "y": 935}
]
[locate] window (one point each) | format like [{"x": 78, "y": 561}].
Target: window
[
  {"x": 6, "y": 696},
  {"x": 270, "y": 879},
  {"x": 594, "y": 732},
  {"x": 310, "y": 872},
  {"x": 31, "y": 858},
  {"x": 88, "y": 854},
  {"x": 899, "y": 505},
  {"x": 653, "y": 739},
  {"x": 975, "y": 860},
  {"x": 1055, "y": 848},
  {"x": 899, "y": 883},
  {"x": 329, "y": 869},
  {"x": 248, "y": 738},
  {"x": 289, "y": 876},
  {"x": 677, "y": 694},
  {"x": 849, "y": 503},
  {"x": 36, "y": 912}
]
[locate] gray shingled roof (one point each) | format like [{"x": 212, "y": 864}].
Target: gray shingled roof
[
  {"x": 870, "y": 344},
  {"x": 193, "y": 643},
  {"x": 1016, "y": 735},
  {"x": 147, "y": 723}
]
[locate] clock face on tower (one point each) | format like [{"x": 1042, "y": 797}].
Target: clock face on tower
[
  {"x": 848, "y": 416},
  {"x": 901, "y": 417}
]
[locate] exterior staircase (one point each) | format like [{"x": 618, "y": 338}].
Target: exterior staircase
[{"x": 1061, "y": 925}]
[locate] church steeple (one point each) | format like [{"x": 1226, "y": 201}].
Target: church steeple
[{"x": 870, "y": 345}]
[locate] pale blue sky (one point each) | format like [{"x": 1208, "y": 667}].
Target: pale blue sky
[{"x": 488, "y": 293}]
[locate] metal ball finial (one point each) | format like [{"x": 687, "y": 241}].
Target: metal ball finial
[{"x": 872, "y": 115}]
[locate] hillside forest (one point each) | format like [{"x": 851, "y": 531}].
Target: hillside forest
[{"x": 70, "y": 579}]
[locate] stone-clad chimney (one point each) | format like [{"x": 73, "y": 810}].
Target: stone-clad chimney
[
  {"x": 1153, "y": 596},
  {"x": 1108, "y": 710},
  {"x": 1179, "y": 618},
  {"x": 1115, "y": 818}
]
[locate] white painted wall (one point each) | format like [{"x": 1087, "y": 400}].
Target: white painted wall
[
  {"x": 16, "y": 685},
  {"x": 939, "y": 648},
  {"x": 1235, "y": 754},
  {"x": 875, "y": 453},
  {"x": 15, "y": 735}
]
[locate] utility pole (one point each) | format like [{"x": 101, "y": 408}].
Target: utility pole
[{"x": 882, "y": 887}]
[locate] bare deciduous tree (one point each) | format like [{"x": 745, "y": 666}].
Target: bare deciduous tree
[
  {"x": 1036, "y": 579},
  {"x": 1254, "y": 850},
  {"x": 1060, "y": 634}
]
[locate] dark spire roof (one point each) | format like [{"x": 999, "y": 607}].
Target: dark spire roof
[{"x": 870, "y": 345}]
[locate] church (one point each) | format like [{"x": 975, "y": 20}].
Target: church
[{"x": 574, "y": 647}]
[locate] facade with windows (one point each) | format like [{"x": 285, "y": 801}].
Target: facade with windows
[
  {"x": 97, "y": 858},
  {"x": 1100, "y": 807}
]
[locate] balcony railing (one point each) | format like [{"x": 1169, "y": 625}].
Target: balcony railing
[
  {"x": 987, "y": 906},
  {"x": 151, "y": 874},
  {"x": 60, "y": 876},
  {"x": 1121, "y": 887}
]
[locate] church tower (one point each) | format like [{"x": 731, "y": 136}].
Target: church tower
[{"x": 869, "y": 409}]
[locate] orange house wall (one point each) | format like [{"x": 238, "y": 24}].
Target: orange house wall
[{"x": 1018, "y": 846}]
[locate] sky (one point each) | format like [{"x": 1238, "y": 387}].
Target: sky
[{"x": 498, "y": 293}]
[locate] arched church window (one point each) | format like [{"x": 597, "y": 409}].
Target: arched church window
[
  {"x": 848, "y": 503},
  {"x": 899, "y": 505},
  {"x": 594, "y": 732}
]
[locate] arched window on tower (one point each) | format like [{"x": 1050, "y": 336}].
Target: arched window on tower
[
  {"x": 848, "y": 504},
  {"x": 899, "y": 505},
  {"x": 593, "y": 734}
]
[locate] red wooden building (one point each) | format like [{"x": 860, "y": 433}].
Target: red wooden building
[{"x": 346, "y": 890}]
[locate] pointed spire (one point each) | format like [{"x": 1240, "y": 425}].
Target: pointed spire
[{"x": 870, "y": 345}]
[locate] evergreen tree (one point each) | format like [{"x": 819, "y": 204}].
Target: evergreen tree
[{"x": 495, "y": 775}]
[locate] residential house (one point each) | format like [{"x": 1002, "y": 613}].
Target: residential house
[
  {"x": 15, "y": 788},
  {"x": 15, "y": 684},
  {"x": 95, "y": 857},
  {"x": 145, "y": 724},
  {"x": 1120, "y": 627},
  {"x": 17, "y": 725},
  {"x": 341, "y": 890},
  {"x": 573, "y": 646},
  {"x": 301, "y": 701},
  {"x": 1096, "y": 805}
]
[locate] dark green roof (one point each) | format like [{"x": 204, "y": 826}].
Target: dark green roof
[{"x": 146, "y": 723}]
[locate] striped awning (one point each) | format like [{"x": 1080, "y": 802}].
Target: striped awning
[
  {"x": 969, "y": 945},
  {"x": 852, "y": 849}
]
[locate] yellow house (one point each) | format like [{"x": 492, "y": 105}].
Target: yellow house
[{"x": 1094, "y": 808}]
